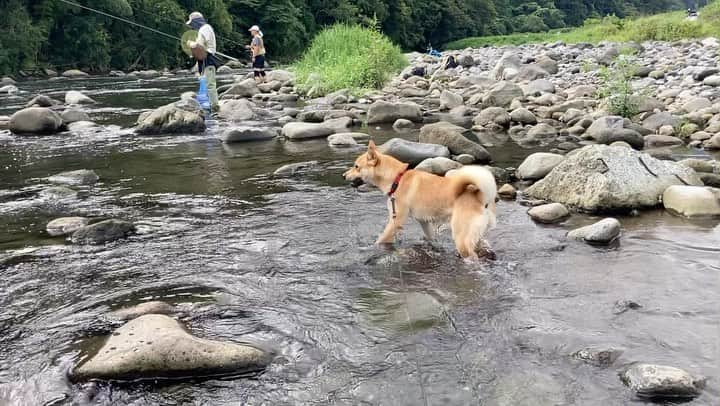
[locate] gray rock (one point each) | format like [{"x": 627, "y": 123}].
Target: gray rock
[
  {"x": 713, "y": 143},
  {"x": 701, "y": 165},
  {"x": 531, "y": 72},
  {"x": 549, "y": 213},
  {"x": 42, "y": 100},
  {"x": 438, "y": 166},
  {"x": 507, "y": 67},
  {"x": 622, "y": 306},
  {"x": 66, "y": 225},
  {"x": 342, "y": 140},
  {"x": 538, "y": 87},
  {"x": 103, "y": 232},
  {"x": 581, "y": 91},
  {"x": 493, "y": 115},
  {"x": 465, "y": 159},
  {"x": 538, "y": 165},
  {"x": 695, "y": 104},
  {"x": 507, "y": 191},
  {"x": 7, "y": 81},
  {"x": 502, "y": 94},
  {"x": 609, "y": 129},
  {"x": 543, "y": 130},
  {"x": 386, "y": 112},
  {"x": 713, "y": 81},
  {"x": 280, "y": 75},
  {"x": 301, "y": 131},
  {"x": 296, "y": 168},
  {"x": 147, "y": 74},
  {"x": 692, "y": 201},
  {"x": 547, "y": 64},
  {"x": 35, "y": 121},
  {"x": 598, "y": 357},
  {"x": 604, "y": 231},
  {"x": 340, "y": 124},
  {"x": 133, "y": 312},
  {"x": 645, "y": 104},
  {"x": 705, "y": 73},
  {"x": 413, "y": 152},
  {"x": 598, "y": 178},
  {"x": 236, "y": 110},
  {"x": 450, "y": 100},
  {"x": 74, "y": 73},
  {"x": 75, "y": 97},
  {"x": 58, "y": 193},
  {"x": 662, "y": 382},
  {"x": 247, "y": 134},
  {"x": 170, "y": 119},
  {"x": 156, "y": 346},
  {"x": 523, "y": 116},
  {"x": 79, "y": 177},
  {"x": 446, "y": 134},
  {"x": 245, "y": 88},
  {"x": 402, "y": 125},
  {"x": 74, "y": 115},
  {"x": 657, "y": 120},
  {"x": 656, "y": 140},
  {"x": 9, "y": 89}
]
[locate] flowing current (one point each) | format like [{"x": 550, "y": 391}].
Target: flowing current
[{"x": 290, "y": 263}]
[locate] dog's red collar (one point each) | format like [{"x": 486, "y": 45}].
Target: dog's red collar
[{"x": 396, "y": 183}]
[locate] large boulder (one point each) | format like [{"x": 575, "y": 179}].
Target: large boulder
[
  {"x": 713, "y": 143},
  {"x": 538, "y": 165},
  {"x": 156, "y": 346},
  {"x": 412, "y": 152},
  {"x": 657, "y": 120},
  {"x": 245, "y": 88},
  {"x": 502, "y": 94},
  {"x": 103, "y": 232},
  {"x": 170, "y": 119},
  {"x": 438, "y": 166},
  {"x": 35, "y": 120},
  {"x": 66, "y": 225},
  {"x": 692, "y": 201},
  {"x": 601, "y": 178},
  {"x": 662, "y": 382},
  {"x": 302, "y": 131},
  {"x": 236, "y": 110},
  {"x": 247, "y": 134},
  {"x": 442, "y": 134},
  {"x": 523, "y": 116},
  {"x": 79, "y": 177},
  {"x": 385, "y": 112},
  {"x": 75, "y": 97},
  {"x": 547, "y": 64},
  {"x": 75, "y": 73}
]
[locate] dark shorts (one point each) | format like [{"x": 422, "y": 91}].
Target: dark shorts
[{"x": 259, "y": 62}]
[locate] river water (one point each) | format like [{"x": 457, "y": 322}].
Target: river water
[{"x": 289, "y": 263}]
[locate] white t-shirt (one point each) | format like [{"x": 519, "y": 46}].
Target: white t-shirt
[{"x": 206, "y": 38}]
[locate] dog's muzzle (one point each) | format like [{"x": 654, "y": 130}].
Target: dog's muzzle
[{"x": 357, "y": 182}]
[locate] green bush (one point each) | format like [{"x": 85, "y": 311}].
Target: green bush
[
  {"x": 616, "y": 86},
  {"x": 348, "y": 57}
]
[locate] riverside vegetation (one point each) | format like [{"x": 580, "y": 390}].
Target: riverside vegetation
[{"x": 50, "y": 34}]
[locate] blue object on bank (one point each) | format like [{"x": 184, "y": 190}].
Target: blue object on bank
[{"x": 202, "y": 95}]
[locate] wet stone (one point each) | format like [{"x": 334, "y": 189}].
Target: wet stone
[
  {"x": 604, "y": 231},
  {"x": 79, "y": 177},
  {"x": 66, "y": 225},
  {"x": 296, "y": 168},
  {"x": 549, "y": 213},
  {"x": 662, "y": 382},
  {"x": 156, "y": 347},
  {"x": 103, "y": 232},
  {"x": 622, "y": 306},
  {"x": 133, "y": 312},
  {"x": 599, "y": 357},
  {"x": 58, "y": 192}
]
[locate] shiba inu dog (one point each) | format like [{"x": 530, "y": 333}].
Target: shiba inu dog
[{"x": 465, "y": 198}]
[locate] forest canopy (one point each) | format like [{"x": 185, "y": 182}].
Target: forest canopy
[{"x": 50, "y": 33}]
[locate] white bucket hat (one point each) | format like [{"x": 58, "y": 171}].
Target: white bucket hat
[
  {"x": 256, "y": 28},
  {"x": 194, "y": 15}
]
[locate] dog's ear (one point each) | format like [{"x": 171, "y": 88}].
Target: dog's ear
[{"x": 372, "y": 154}]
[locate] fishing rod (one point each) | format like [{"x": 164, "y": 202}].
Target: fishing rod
[{"x": 125, "y": 20}]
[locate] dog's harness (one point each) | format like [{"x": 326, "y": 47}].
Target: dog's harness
[{"x": 393, "y": 189}]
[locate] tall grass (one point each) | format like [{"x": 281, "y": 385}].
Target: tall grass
[
  {"x": 662, "y": 27},
  {"x": 348, "y": 57}
]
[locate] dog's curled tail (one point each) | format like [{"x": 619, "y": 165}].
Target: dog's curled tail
[{"x": 473, "y": 176}]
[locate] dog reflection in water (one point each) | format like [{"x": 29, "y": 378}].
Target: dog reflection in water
[{"x": 465, "y": 198}]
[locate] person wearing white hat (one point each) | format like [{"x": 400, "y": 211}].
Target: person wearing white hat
[
  {"x": 257, "y": 47},
  {"x": 204, "y": 48}
]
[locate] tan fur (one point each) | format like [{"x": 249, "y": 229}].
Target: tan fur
[{"x": 464, "y": 198}]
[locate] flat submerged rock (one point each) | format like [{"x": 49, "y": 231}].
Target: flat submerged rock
[{"x": 158, "y": 347}]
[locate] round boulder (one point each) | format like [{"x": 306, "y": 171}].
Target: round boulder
[
  {"x": 549, "y": 213},
  {"x": 103, "y": 232},
  {"x": 660, "y": 381},
  {"x": 66, "y": 225},
  {"x": 438, "y": 166},
  {"x": 604, "y": 231},
  {"x": 75, "y": 97},
  {"x": 538, "y": 165},
  {"x": 35, "y": 121},
  {"x": 692, "y": 201},
  {"x": 412, "y": 152},
  {"x": 79, "y": 177}
]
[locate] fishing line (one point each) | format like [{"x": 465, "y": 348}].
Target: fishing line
[{"x": 125, "y": 20}]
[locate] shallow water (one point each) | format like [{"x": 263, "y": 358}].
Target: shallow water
[{"x": 290, "y": 264}]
